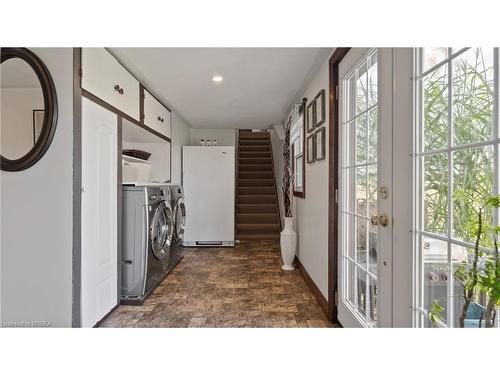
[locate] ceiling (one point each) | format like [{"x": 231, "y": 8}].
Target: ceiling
[{"x": 259, "y": 84}]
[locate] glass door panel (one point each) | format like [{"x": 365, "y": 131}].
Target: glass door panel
[
  {"x": 361, "y": 172},
  {"x": 456, "y": 160}
]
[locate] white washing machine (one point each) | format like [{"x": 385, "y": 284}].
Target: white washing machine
[{"x": 148, "y": 229}]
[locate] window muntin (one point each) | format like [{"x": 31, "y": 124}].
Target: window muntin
[
  {"x": 297, "y": 147},
  {"x": 457, "y": 166}
]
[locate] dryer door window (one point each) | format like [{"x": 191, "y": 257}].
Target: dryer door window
[
  {"x": 161, "y": 230},
  {"x": 180, "y": 219}
]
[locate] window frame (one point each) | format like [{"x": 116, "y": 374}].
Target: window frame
[{"x": 301, "y": 113}]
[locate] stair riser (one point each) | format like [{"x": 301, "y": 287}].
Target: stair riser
[
  {"x": 255, "y": 154},
  {"x": 256, "y": 199},
  {"x": 256, "y": 191},
  {"x": 257, "y": 175},
  {"x": 257, "y": 161},
  {"x": 256, "y": 183},
  {"x": 247, "y": 148},
  {"x": 254, "y": 138},
  {"x": 258, "y": 228},
  {"x": 256, "y": 218},
  {"x": 254, "y": 168},
  {"x": 254, "y": 135},
  {"x": 254, "y": 142},
  {"x": 257, "y": 209}
]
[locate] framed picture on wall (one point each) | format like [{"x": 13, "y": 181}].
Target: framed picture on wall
[
  {"x": 310, "y": 120},
  {"x": 38, "y": 115},
  {"x": 310, "y": 148},
  {"x": 319, "y": 108},
  {"x": 319, "y": 144}
]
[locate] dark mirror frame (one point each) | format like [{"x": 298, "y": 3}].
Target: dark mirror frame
[{"x": 50, "y": 107}]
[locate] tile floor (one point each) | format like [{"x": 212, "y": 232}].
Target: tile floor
[{"x": 227, "y": 287}]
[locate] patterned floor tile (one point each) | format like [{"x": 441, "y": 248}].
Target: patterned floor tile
[{"x": 235, "y": 287}]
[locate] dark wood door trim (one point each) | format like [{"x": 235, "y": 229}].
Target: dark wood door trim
[{"x": 333, "y": 173}]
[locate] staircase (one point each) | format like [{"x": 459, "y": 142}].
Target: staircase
[{"x": 257, "y": 213}]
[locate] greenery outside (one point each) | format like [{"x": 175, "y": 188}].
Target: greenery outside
[{"x": 472, "y": 169}]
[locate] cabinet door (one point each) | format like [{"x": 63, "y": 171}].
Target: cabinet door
[
  {"x": 99, "y": 273},
  {"x": 156, "y": 116},
  {"x": 104, "y": 77}
]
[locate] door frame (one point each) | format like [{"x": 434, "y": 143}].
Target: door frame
[
  {"x": 76, "y": 316},
  {"x": 333, "y": 177}
]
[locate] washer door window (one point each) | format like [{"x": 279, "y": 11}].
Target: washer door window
[
  {"x": 180, "y": 219},
  {"x": 161, "y": 230}
]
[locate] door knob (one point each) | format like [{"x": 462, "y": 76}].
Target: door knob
[{"x": 382, "y": 219}]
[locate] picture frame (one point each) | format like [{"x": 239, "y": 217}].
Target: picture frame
[
  {"x": 311, "y": 152},
  {"x": 319, "y": 144},
  {"x": 310, "y": 119},
  {"x": 38, "y": 117},
  {"x": 319, "y": 108}
]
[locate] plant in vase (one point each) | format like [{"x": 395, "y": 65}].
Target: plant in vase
[
  {"x": 288, "y": 237},
  {"x": 479, "y": 277}
]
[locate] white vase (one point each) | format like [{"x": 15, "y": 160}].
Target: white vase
[{"x": 288, "y": 245}]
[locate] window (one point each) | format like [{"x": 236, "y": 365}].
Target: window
[
  {"x": 297, "y": 145},
  {"x": 456, "y": 169}
]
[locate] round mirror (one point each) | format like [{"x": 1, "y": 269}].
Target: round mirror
[{"x": 28, "y": 106}]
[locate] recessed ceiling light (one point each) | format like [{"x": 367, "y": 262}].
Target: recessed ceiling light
[{"x": 217, "y": 78}]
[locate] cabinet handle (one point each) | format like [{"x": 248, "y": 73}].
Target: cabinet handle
[
  {"x": 160, "y": 119},
  {"x": 119, "y": 89}
]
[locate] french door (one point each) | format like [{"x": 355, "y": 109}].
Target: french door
[
  {"x": 365, "y": 199},
  {"x": 419, "y": 141},
  {"x": 457, "y": 158}
]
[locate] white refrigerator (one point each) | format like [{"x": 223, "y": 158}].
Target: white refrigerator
[{"x": 208, "y": 180}]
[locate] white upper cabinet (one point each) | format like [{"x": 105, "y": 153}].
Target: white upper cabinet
[
  {"x": 104, "y": 77},
  {"x": 156, "y": 115}
]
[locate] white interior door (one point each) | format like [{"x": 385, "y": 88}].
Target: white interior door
[
  {"x": 99, "y": 213},
  {"x": 365, "y": 240}
]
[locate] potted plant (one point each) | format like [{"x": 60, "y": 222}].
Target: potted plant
[
  {"x": 479, "y": 277},
  {"x": 288, "y": 237}
]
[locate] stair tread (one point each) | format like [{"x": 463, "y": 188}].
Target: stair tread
[
  {"x": 249, "y": 215},
  {"x": 251, "y": 195},
  {"x": 257, "y": 225},
  {"x": 257, "y": 204},
  {"x": 256, "y": 179}
]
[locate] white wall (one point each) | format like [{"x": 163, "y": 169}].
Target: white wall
[
  {"x": 311, "y": 213},
  {"x": 37, "y": 218},
  {"x": 159, "y": 159},
  {"x": 180, "y": 137},
  {"x": 17, "y": 119},
  {"x": 224, "y": 137}
]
